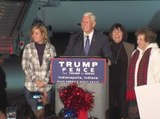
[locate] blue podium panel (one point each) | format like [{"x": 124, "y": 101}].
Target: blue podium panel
[
  {"x": 90, "y": 74},
  {"x": 80, "y": 70}
]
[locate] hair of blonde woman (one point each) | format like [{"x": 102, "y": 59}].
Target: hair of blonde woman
[
  {"x": 93, "y": 17},
  {"x": 42, "y": 29}
]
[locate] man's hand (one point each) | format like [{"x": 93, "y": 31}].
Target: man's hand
[
  {"x": 2, "y": 115},
  {"x": 109, "y": 62},
  {"x": 44, "y": 98}
]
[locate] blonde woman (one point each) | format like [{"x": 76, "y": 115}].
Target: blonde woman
[{"x": 36, "y": 59}]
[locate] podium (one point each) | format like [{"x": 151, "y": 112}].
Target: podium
[{"x": 91, "y": 74}]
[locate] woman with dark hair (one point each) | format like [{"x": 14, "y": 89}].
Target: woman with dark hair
[
  {"x": 144, "y": 67},
  {"x": 118, "y": 70}
]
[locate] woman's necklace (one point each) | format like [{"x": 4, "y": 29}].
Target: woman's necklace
[{"x": 115, "y": 61}]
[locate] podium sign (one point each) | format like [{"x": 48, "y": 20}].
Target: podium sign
[{"x": 79, "y": 70}]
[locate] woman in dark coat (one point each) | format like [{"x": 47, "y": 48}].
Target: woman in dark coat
[{"x": 118, "y": 71}]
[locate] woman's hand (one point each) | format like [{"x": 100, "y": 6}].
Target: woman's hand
[{"x": 40, "y": 84}]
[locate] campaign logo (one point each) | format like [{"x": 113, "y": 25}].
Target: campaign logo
[{"x": 80, "y": 70}]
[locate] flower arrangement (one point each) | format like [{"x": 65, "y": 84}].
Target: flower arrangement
[{"x": 77, "y": 101}]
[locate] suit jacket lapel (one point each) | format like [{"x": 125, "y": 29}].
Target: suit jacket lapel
[
  {"x": 92, "y": 45},
  {"x": 80, "y": 46}
]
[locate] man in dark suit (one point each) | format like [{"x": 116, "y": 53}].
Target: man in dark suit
[
  {"x": 3, "y": 85},
  {"x": 98, "y": 45}
]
